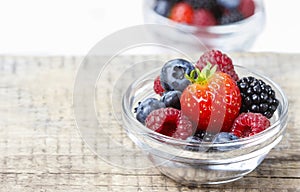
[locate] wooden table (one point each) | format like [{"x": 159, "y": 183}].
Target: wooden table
[{"x": 41, "y": 149}]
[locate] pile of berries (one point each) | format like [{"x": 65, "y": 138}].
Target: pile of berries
[
  {"x": 207, "y": 102},
  {"x": 205, "y": 12}
]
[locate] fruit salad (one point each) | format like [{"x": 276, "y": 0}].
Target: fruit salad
[
  {"x": 207, "y": 101},
  {"x": 205, "y": 12}
]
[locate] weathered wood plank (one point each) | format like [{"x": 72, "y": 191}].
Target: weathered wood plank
[{"x": 41, "y": 149}]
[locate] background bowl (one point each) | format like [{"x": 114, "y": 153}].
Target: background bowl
[
  {"x": 238, "y": 36},
  {"x": 207, "y": 166}
]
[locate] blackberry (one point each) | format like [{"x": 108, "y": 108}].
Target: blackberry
[
  {"x": 257, "y": 96},
  {"x": 231, "y": 17},
  {"x": 203, "y": 4}
]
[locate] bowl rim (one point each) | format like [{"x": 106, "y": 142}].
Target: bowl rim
[
  {"x": 252, "y": 140},
  {"x": 217, "y": 29}
]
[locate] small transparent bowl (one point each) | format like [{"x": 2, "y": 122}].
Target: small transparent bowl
[
  {"x": 238, "y": 36},
  {"x": 206, "y": 166}
]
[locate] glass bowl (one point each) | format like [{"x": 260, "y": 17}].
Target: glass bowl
[
  {"x": 206, "y": 166},
  {"x": 238, "y": 36}
]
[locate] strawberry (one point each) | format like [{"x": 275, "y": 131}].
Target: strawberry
[
  {"x": 212, "y": 101},
  {"x": 158, "y": 89},
  {"x": 216, "y": 57},
  {"x": 182, "y": 13},
  {"x": 170, "y": 122},
  {"x": 247, "y": 124},
  {"x": 203, "y": 17}
]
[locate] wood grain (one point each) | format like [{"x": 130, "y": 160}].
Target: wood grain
[{"x": 41, "y": 149}]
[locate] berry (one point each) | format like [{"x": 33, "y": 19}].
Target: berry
[
  {"x": 203, "y": 17},
  {"x": 163, "y": 7},
  {"x": 247, "y": 8},
  {"x": 229, "y": 4},
  {"x": 193, "y": 140},
  {"x": 170, "y": 122},
  {"x": 209, "y": 5},
  {"x": 216, "y": 57},
  {"x": 172, "y": 99},
  {"x": 257, "y": 96},
  {"x": 225, "y": 137},
  {"x": 198, "y": 138},
  {"x": 212, "y": 101},
  {"x": 158, "y": 89},
  {"x": 205, "y": 136},
  {"x": 172, "y": 75},
  {"x": 248, "y": 124},
  {"x": 182, "y": 12},
  {"x": 146, "y": 107},
  {"x": 231, "y": 17},
  {"x": 202, "y": 4}
]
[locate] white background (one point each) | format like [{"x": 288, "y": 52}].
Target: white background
[{"x": 70, "y": 27}]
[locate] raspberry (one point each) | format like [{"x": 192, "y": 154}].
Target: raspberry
[
  {"x": 247, "y": 8},
  {"x": 203, "y": 17},
  {"x": 158, "y": 89},
  {"x": 248, "y": 124},
  {"x": 170, "y": 122},
  {"x": 257, "y": 96},
  {"x": 216, "y": 57},
  {"x": 231, "y": 17}
]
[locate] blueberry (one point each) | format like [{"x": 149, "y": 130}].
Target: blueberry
[
  {"x": 172, "y": 75},
  {"x": 172, "y": 99},
  {"x": 207, "y": 137},
  {"x": 229, "y": 4},
  {"x": 146, "y": 107},
  {"x": 225, "y": 137},
  {"x": 163, "y": 7},
  {"x": 193, "y": 140},
  {"x": 198, "y": 138}
]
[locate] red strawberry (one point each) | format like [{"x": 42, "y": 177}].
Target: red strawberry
[
  {"x": 158, "y": 89},
  {"x": 182, "y": 12},
  {"x": 247, "y": 7},
  {"x": 170, "y": 122},
  {"x": 216, "y": 57},
  {"x": 247, "y": 124},
  {"x": 212, "y": 101},
  {"x": 203, "y": 17}
]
